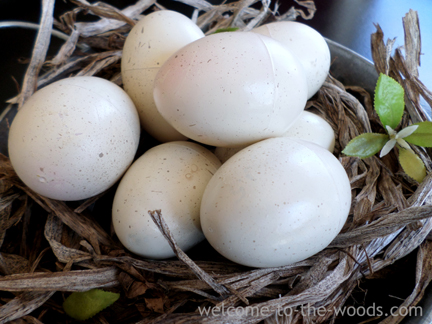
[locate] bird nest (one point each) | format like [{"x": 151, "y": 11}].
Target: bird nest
[{"x": 50, "y": 248}]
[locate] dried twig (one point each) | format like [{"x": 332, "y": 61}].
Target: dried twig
[
  {"x": 39, "y": 51},
  {"x": 156, "y": 216}
]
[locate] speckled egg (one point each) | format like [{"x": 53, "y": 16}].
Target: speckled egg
[
  {"x": 148, "y": 45},
  {"x": 74, "y": 138},
  {"x": 170, "y": 177},
  {"x": 231, "y": 89},
  {"x": 308, "y": 45},
  {"x": 313, "y": 128},
  {"x": 276, "y": 202},
  {"x": 309, "y": 127}
]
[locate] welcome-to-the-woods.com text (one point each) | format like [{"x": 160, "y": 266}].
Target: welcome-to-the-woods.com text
[{"x": 308, "y": 310}]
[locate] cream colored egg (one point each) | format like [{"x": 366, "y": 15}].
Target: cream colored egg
[
  {"x": 313, "y": 128},
  {"x": 170, "y": 177},
  {"x": 276, "y": 202},
  {"x": 231, "y": 89},
  {"x": 308, "y": 45},
  {"x": 149, "y": 44},
  {"x": 309, "y": 127},
  {"x": 74, "y": 138}
]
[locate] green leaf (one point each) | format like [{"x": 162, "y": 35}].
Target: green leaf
[
  {"x": 412, "y": 164},
  {"x": 224, "y": 30},
  {"x": 422, "y": 135},
  {"x": 83, "y": 305},
  {"x": 389, "y": 101},
  {"x": 366, "y": 145}
]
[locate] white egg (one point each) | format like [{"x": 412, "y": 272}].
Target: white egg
[
  {"x": 231, "y": 89},
  {"x": 170, "y": 177},
  {"x": 74, "y": 138},
  {"x": 313, "y": 128},
  {"x": 309, "y": 127},
  {"x": 308, "y": 45},
  {"x": 276, "y": 202},
  {"x": 149, "y": 44}
]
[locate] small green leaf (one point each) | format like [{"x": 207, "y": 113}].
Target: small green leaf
[
  {"x": 422, "y": 135},
  {"x": 389, "y": 101},
  {"x": 412, "y": 164},
  {"x": 83, "y": 305},
  {"x": 366, "y": 145},
  {"x": 224, "y": 30}
]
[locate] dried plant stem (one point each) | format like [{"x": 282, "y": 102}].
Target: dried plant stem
[
  {"x": 156, "y": 216},
  {"x": 39, "y": 51}
]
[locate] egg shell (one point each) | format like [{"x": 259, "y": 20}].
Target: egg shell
[
  {"x": 276, "y": 202},
  {"x": 308, "y": 45},
  {"x": 74, "y": 138},
  {"x": 148, "y": 45},
  {"x": 231, "y": 89},
  {"x": 309, "y": 127},
  {"x": 313, "y": 128},
  {"x": 170, "y": 177}
]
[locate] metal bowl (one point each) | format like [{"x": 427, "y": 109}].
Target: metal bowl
[{"x": 351, "y": 68}]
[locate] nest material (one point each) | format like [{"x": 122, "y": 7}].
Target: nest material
[{"x": 50, "y": 248}]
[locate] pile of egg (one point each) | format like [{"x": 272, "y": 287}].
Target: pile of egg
[{"x": 241, "y": 163}]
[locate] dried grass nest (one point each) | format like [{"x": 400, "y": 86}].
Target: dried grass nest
[{"x": 51, "y": 248}]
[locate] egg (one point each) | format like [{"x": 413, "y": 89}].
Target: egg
[
  {"x": 148, "y": 45},
  {"x": 308, "y": 126},
  {"x": 74, "y": 138},
  {"x": 308, "y": 45},
  {"x": 231, "y": 89},
  {"x": 313, "y": 128},
  {"x": 170, "y": 177},
  {"x": 276, "y": 202}
]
